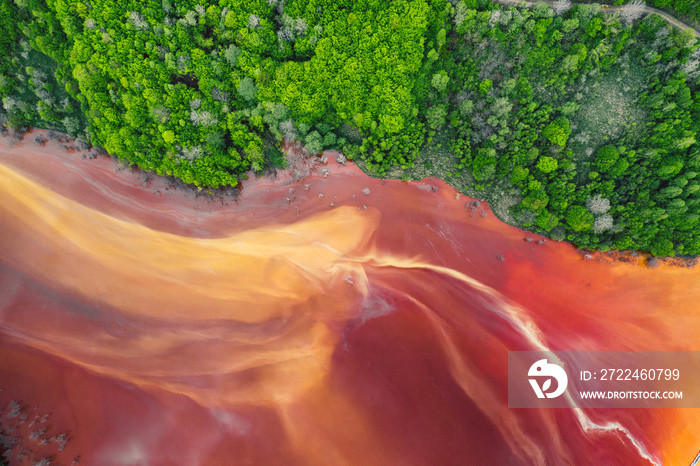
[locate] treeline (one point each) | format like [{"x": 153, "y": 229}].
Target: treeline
[{"x": 586, "y": 122}]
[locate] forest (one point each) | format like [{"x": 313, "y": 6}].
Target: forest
[{"x": 573, "y": 123}]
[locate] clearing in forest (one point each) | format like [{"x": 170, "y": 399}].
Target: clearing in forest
[{"x": 608, "y": 110}]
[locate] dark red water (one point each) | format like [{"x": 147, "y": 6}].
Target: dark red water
[{"x": 305, "y": 323}]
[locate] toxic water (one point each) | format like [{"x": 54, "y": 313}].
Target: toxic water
[{"x": 332, "y": 320}]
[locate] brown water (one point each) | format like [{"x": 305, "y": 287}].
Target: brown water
[{"x": 141, "y": 325}]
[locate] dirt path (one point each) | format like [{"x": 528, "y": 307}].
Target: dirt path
[{"x": 669, "y": 18}]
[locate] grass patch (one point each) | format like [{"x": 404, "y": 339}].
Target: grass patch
[{"x": 608, "y": 111}]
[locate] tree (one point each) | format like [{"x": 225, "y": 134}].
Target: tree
[
  {"x": 72, "y": 125},
  {"x": 138, "y": 20},
  {"x": 670, "y": 192},
  {"x": 684, "y": 97},
  {"x": 547, "y": 164},
  {"x": 569, "y": 25},
  {"x": 216, "y": 140},
  {"x": 558, "y": 131},
  {"x": 436, "y": 115},
  {"x": 247, "y": 89},
  {"x": 440, "y": 81},
  {"x": 578, "y": 218},
  {"x": 662, "y": 247},
  {"x": 231, "y": 54},
  {"x": 485, "y": 86},
  {"x": 535, "y": 200},
  {"x": 606, "y": 158},
  {"x": 546, "y": 220},
  {"x": 519, "y": 175},
  {"x": 314, "y": 142},
  {"x": 594, "y": 26},
  {"x": 169, "y": 136}
]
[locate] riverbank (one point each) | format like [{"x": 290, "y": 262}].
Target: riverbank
[{"x": 73, "y": 158}]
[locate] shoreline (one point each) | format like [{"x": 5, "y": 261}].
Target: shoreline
[{"x": 217, "y": 199}]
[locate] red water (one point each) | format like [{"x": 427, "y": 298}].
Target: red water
[{"x": 140, "y": 324}]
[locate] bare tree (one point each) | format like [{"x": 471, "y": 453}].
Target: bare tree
[
  {"x": 285, "y": 35},
  {"x": 562, "y": 6},
  {"x": 291, "y": 29},
  {"x": 632, "y": 10},
  {"x": 603, "y": 223},
  {"x": 495, "y": 18},
  {"x": 81, "y": 144},
  {"x": 597, "y": 204},
  {"x": 161, "y": 114},
  {"x": 253, "y": 21},
  {"x": 191, "y": 153},
  {"x": 204, "y": 118},
  {"x": 220, "y": 95},
  {"x": 191, "y": 18},
  {"x": 43, "y": 94},
  {"x": 692, "y": 66},
  {"x": 460, "y": 13},
  {"x": 183, "y": 62},
  {"x": 195, "y": 117},
  {"x": 300, "y": 26},
  {"x": 288, "y": 129},
  {"x": 9, "y": 103},
  {"x": 138, "y": 20}
]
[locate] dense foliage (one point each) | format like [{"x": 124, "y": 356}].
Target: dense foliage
[
  {"x": 586, "y": 125},
  {"x": 595, "y": 123},
  {"x": 199, "y": 91}
]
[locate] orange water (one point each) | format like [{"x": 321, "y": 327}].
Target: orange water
[{"x": 152, "y": 327}]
